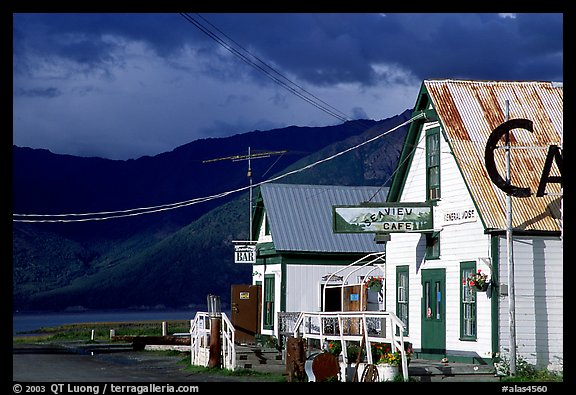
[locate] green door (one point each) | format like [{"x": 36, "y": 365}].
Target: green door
[
  {"x": 433, "y": 313},
  {"x": 268, "y": 301}
]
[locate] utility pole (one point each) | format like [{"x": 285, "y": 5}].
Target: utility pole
[
  {"x": 250, "y": 196},
  {"x": 510, "y": 257},
  {"x": 249, "y": 157}
]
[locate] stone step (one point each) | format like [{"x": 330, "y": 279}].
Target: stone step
[
  {"x": 254, "y": 360},
  {"x": 457, "y": 378},
  {"x": 265, "y": 368},
  {"x": 427, "y": 371},
  {"x": 260, "y": 359}
]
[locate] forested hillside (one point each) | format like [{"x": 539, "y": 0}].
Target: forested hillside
[{"x": 173, "y": 258}]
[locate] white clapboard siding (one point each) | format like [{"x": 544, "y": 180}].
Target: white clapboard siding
[
  {"x": 303, "y": 292},
  {"x": 538, "y": 286},
  {"x": 409, "y": 249},
  {"x": 458, "y": 243}
]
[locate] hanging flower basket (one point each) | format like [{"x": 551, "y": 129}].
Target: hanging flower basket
[
  {"x": 375, "y": 288},
  {"x": 374, "y": 283},
  {"x": 478, "y": 281}
]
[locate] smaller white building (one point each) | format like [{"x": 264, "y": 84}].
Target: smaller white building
[{"x": 298, "y": 253}]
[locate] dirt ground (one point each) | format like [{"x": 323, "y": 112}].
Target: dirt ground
[{"x": 53, "y": 363}]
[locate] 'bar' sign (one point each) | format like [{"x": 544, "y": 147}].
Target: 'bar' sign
[{"x": 245, "y": 253}]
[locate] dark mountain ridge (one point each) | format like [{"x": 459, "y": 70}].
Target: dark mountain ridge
[
  {"x": 50, "y": 183},
  {"x": 172, "y": 258}
]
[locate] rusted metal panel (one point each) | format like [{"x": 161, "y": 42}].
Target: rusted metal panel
[{"x": 470, "y": 110}]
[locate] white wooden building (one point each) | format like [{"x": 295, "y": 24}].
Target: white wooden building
[{"x": 443, "y": 163}]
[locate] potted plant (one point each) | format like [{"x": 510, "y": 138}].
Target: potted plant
[
  {"x": 387, "y": 361},
  {"x": 352, "y": 350},
  {"x": 478, "y": 281},
  {"x": 334, "y": 347},
  {"x": 374, "y": 283},
  {"x": 348, "y": 365}
]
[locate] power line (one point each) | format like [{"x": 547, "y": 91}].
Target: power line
[
  {"x": 270, "y": 72},
  {"x": 275, "y": 71},
  {"x": 249, "y": 158},
  {"x": 397, "y": 168},
  {"x": 106, "y": 215}
]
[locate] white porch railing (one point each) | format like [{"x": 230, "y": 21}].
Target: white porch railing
[
  {"x": 370, "y": 326},
  {"x": 200, "y": 341}
]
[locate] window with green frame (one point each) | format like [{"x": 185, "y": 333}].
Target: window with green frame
[
  {"x": 266, "y": 225},
  {"x": 468, "y": 324},
  {"x": 433, "y": 164},
  {"x": 402, "y": 296},
  {"x": 268, "y": 319},
  {"x": 433, "y": 245}
]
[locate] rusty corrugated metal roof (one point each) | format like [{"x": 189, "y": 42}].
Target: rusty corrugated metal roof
[{"x": 470, "y": 110}]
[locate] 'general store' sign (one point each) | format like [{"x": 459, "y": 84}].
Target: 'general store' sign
[
  {"x": 383, "y": 218},
  {"x": 459, "y": 216}
]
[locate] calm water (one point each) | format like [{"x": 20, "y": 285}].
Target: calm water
[{"x": 27, "y": 322}]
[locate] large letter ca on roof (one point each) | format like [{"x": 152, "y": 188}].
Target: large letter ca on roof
[{"x": 554, "y": 154}]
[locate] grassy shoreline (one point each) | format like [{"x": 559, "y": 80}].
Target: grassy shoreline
[{"x": 83, "y": 331}]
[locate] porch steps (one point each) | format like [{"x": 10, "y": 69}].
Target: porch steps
[{"x": 260, "y": 359}]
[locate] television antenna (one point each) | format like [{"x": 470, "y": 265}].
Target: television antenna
[{"x": 249, "y": 157}]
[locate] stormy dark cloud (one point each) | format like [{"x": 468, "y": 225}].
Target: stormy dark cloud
[{"x": 125, "y": 85}]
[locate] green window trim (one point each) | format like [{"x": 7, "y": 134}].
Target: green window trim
[
  {"x": 268, "y": 316},
  {"x": 433, "y": 245},
  {"x": 402, "y": 296},
  {"x": 267, "y": 231},
  {"x": 433, "y": 164},
  {"x": 468, "y": 317}
]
